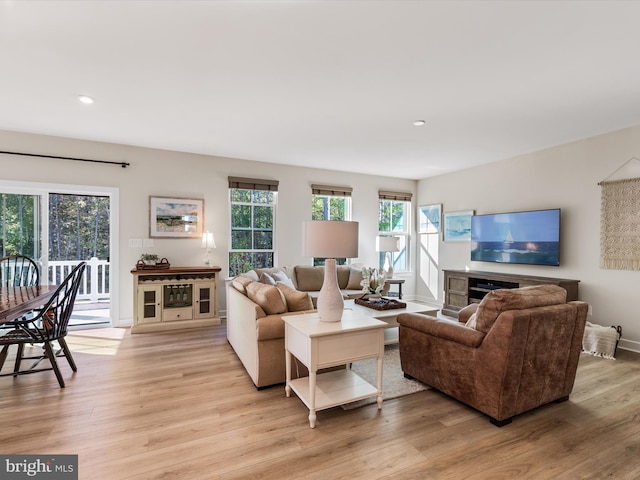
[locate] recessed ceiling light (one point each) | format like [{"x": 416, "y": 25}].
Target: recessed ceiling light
[
  {"x": 85, "y": 99},
  {"x": 419, "y": 123}
]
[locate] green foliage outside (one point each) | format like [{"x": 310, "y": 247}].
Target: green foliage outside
[
  {"x": 393, "y": 219},
  {"x": 392, "y": 216},
  {"x": 19, "y": 219},
  {"x": 78, "y": 226},
  {"x": 325, "y": 207}
]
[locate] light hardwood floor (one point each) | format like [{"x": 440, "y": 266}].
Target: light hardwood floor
[{"x": 180, "y": 405}]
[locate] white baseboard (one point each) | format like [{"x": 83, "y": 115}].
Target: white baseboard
[
  {"x": 429, "y": 301},
  {"x": 629, "y": 345}
]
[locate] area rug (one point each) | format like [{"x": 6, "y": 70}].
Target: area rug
[{"x": 394, "y": 384}]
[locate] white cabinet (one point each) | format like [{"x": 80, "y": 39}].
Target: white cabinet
[{"x": 171, "y": 298}]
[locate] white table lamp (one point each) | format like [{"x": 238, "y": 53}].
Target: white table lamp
[
  {"x": 208, "y": 243},
  {"x": 388, "y": 245},
  {"x": 330, "y": 239}
]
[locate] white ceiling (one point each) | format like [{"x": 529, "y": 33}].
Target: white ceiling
[{"x": 330, "y": 84}]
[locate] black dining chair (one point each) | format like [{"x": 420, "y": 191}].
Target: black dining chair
[
  {"x": 49, "y": 324},
  {"x": 18, "y": 271}
]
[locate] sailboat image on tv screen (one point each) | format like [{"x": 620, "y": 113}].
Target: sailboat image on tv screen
[{"x": 509, "y": 238}]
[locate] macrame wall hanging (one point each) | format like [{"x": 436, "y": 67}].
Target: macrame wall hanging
[{"x": 620, "y": 222}]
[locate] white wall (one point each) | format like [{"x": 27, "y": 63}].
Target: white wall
[
  {"x": 567, "y": 177},
  {"x": 176, "y": 174}
]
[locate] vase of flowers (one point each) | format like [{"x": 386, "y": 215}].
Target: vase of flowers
[{"x": 373, "y": 281}]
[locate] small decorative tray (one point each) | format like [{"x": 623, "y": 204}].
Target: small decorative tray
[
  {"x": 380, "y": 303},
  {"x": 162, "y": 264}
]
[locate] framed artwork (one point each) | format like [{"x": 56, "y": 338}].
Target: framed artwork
[
  {"x": 429, "y": 218},
  {"x": 457, "y": 226},
  {"x": 175, "y": 217}
]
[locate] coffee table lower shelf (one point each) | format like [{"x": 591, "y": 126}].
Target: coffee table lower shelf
[{"x": 334, "y": 388}]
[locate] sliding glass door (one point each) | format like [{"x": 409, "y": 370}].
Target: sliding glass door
[{"x": 59, "y": 228}]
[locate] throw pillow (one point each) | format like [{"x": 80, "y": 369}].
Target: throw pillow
[
  {"x": 240, "y": 283},
  {"x": 268, "y": 297},
  {"x": 355, "y": 278},
  {"x": 266, "y": 279},
  {"x": 472, "y": 322},
  {"x": 252, "y": 274},
  {"x": 282, "y": 277},
  {"x": 297, "y": 301}
]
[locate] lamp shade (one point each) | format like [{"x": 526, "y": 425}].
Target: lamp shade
[
  {"x": 207, "y": 240},
  {"x": 330, "y": 239},
  {"x": 387, "y": 244}
]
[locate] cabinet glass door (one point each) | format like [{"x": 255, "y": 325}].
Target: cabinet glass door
[
  {"x": 205, "y": 300},
  {"x": 149, "y": 305}
]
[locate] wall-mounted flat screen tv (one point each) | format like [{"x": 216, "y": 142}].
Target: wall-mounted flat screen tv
[{"x": 531, "y": 237}]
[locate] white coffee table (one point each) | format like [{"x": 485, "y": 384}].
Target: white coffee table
[
  {"x": 320, "y": 345},
  {"x": 390, "y": 316}
]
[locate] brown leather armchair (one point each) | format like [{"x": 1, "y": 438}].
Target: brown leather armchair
[{"x": 518, "y": 349}]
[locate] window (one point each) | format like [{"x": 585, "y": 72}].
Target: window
[
  {"x": 394, "y": 220},
  {"x": 330, "y": 203},
  {"x": 252, "y": 209}
]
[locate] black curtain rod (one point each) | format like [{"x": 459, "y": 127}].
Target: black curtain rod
[{"x": 122, "y": 164}]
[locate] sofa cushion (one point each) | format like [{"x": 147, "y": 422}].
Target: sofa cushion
[
  {"x": 498, "y": 301},
  {"x": 308, "y": 278},
  {"x": 297, "y": 301},
  {"x": 355, "y": 279},
  {"x": 268, "y": 297},
  {"x": 343, "y": 272}
]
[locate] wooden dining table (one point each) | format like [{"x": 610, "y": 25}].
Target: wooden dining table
[{"x": 17, "y": 301}]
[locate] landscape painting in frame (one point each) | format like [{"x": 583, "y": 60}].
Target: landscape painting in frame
[
  {"x": 457, "y": 226},
  {"x": 429, "y": 218},
  {"x": 175, "y": 217}
]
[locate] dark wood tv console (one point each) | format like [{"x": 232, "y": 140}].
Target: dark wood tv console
[{"x": 463, "y": 287}]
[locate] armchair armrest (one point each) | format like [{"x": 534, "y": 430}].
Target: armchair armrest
[{"x": 455, "y": 332}]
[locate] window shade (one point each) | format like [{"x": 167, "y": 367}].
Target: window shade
[
  {"x": 253, "y": 184},
  {"x": 331, "y": 190},
  {"x": 399, "y": 196}
]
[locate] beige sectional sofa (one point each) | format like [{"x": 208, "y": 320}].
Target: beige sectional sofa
[{"x": 256, "y": 303}]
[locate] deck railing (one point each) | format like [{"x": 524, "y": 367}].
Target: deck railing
[{"x": 94, "y": 285}]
